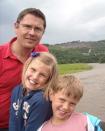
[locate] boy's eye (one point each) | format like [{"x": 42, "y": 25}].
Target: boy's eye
[
  {"x": 62, "y": 100},
  {"x": 72, "y": 104}
]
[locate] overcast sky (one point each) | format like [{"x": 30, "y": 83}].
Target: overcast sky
[{"x": 67, "y": 20}]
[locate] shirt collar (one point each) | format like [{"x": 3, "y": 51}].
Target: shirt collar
[{"x": 8, "y": 51}]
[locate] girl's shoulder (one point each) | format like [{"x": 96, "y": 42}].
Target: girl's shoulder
[
  {"x": 39, "y": 99},
  {"x": 38, "y": 96},
  {"x": 17, "y": 88},
  {"x": 16, "y": 92}
]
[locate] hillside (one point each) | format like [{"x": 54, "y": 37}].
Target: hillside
[
  {"x": 79, "y": 51},
  {"x": 82, "y": 44}
]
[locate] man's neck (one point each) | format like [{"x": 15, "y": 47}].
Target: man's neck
[{"x": 20, "y": 52}]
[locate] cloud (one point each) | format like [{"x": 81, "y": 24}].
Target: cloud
[{"x": 67, "y": 20}]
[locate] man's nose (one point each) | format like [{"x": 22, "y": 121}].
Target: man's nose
[{"x": 32, "y": 31}]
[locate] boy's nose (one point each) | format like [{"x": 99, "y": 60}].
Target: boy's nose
[{"x": 66, "y": 106}]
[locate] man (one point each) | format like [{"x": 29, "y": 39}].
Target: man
[{"x": 29, "y": 29}]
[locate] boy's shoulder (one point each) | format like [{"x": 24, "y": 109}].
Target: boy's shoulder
[
  {"x": 78, "y": 116},
  {"x": 45, "y": 123}
]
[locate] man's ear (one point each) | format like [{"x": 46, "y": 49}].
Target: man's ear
[{"x": 16, "y": 25}]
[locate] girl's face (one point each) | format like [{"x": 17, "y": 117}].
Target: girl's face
[
  {"x": 62, "y": 106},
  {"x": 36, "y": 75}
]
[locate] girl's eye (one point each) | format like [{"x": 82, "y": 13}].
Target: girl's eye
[
  {"x": 44, "y": 75},
  {"x": 32, "y": 70}
]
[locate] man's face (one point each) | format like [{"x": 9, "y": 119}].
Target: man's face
[{"x": 29, "y": 31}]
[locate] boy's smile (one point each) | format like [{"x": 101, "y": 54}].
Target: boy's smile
[{"x": 62, "y": 106}]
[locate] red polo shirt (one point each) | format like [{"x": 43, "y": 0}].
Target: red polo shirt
[{"x": 10, "y": 76}]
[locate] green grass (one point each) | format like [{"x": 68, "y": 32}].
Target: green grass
[{"x": 73, "y": 68}]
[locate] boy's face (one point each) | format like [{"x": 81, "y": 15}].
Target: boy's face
[
  {"x": 62, "y": 106},
  {"x": 36, "y": 75}
]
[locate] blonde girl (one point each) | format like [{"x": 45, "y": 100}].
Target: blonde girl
[{"x": 29, "y": 107}]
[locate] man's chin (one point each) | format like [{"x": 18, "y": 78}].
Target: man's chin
[{"x": 30, "y": 45}]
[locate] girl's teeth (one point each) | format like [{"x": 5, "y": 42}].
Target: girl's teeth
[{"x": 32, "y": 82}]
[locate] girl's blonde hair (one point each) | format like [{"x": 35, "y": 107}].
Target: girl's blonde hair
[
  {"x": 70, "y": 85},
  {"x": 49, "y": 60}
]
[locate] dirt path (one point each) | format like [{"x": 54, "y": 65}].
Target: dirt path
[{"x": 93, "y": 100}]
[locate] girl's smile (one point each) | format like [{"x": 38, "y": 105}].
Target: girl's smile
[{"x": 36, "y": 75}]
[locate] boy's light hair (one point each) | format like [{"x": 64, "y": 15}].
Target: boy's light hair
[
  {"x": 71, "y": 86},
  {"x": 49, "y": 60}
]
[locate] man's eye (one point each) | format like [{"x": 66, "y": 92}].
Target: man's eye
[
  {"x": 38, "y": 29},
  {"x": 28, "y": 26}
]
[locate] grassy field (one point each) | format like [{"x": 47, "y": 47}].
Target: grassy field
[{"x": 72, "y": 68}]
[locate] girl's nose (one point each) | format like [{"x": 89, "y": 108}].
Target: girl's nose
[{"x": 35, "y": 75}]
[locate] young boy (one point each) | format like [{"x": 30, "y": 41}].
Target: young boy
[{"x": 64, "y": 97}]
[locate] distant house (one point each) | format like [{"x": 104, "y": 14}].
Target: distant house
[{"x": 88, "y": 53}]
